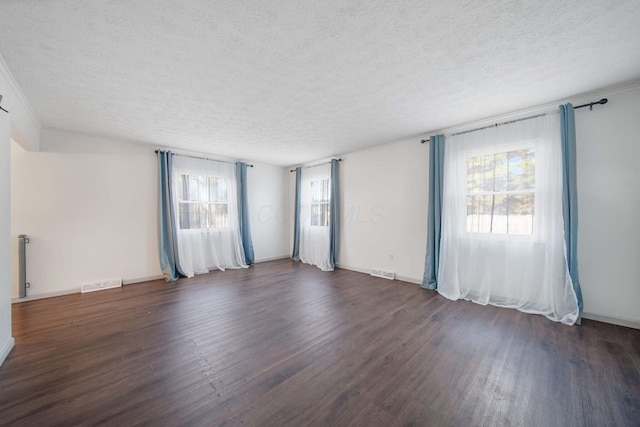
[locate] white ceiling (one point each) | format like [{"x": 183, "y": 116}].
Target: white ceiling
[{"x": 287, "y": 82}]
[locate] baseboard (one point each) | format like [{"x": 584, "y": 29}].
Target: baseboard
[
  {"x": 409, "y": 280},
  {"x": 45, "y": 295},
  {"x": 365, "y": 271},
  {"x": 613, "y": 320},
  {"x": 350, "y": 268},
  {"x": 141, "y": 279},
  {"x": 76, "y": 291},
  {"x": 275, "y": 258},
  {"x": 124, "y": 282},
  {"x": 6, "y": 349}
]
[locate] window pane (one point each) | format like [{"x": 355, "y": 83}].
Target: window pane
[
  {"x": 320, "y": 191},
  {"x": 193, "y": 188},
  {"x": 522, "y": 170},
  {"x": 486, "y": 173},
  {"x": 203, "y": 188},
  {"x": 220, "y": 215},
  {"x": 218, "y": 189},
  {"x": 481, "y": 174},
  {"x": 479, "y": 213},
  {"x": 484, "y": 219},
  {"x": 320, "y": 214},
  {"x": 184, "y": 215},
  {"x": 472, "y": 174},
  {"x": 473, "y": 212},
  {"x": 183, "y": 187},
  {"x": 499, "y": 213},
  {"x": 501, "y": 172},
  {"x": 521, "y": 213},
  {"x": 201, "y": 215},
  {"x": 188, "y": 188}
]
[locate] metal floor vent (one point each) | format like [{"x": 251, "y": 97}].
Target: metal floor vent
[
  {"x": 100, "y": 285},
  {"x": 385, "y": 274}
]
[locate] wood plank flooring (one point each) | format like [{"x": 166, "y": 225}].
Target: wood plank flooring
[{"x": 284, "y": 344}]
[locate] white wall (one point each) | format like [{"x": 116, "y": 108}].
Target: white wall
[
  {"x": 6, "y": 340},
  {"x": 269, "y": 211},
  {"x": 89, "y": 207},
  {"x": 608, "y": 151},
  {"x": 383, "y": 205},
  {"x": 383, "y": 209}
]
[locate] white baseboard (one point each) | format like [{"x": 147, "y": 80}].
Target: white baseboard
[
  {"x": 275, "y": 258},
  {"x": 6, "y": 349},
  {"x": 124, "y": 282},
  {"x": 365, "y": 271},
  {"x": 45, "y": 295},
  {"x": 75, "y": 291},
  {"x": 350, "y": 268},
  {"x": 409, "y": 280},
  {"x": 141, "y": 279},
  {"x": 629, "y": 323}
]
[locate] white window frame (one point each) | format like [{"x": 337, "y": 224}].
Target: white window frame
[
  {"x": 325, "y": 204},
  {"x": 503, "y": 148},
  {"x": 181, "y": 201}
]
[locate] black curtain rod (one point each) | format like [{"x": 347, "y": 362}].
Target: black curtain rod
[
  {"x": 1, "y": 96},
  {"x": 203, "y": 158},
  {"x": 498, "y": 124},
  {"x": 293, "y": 170},
  {"x": 490, "y": 126},
  {"x": 590, "y": 105}
]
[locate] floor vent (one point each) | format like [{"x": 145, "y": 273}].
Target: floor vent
[
  {"x": 100, "y": 285},
  {"x": 385, "y": 274}
]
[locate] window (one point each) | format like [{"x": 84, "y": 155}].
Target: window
[
  {"x": 320, "y": 194},
  {"x": 203, "y": 202},
  {"x": 501, "y": 192}
]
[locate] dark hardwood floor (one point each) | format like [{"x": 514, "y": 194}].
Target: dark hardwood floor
[{"x": 284, "y": 344}]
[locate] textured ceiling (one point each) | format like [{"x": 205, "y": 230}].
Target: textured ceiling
[{"x": 286, "y": 82}]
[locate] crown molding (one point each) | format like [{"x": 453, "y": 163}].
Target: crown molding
[{"x": 13, "y": 85}]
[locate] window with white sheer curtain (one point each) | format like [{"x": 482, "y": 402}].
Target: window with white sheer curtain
[
  {"x": 315, "y": 216},
  {"x": 208, "y": 235},
  {"x": 502, "y": 222}
]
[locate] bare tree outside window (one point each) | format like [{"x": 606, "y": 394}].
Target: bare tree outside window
[{"x": 501, "y": 192}]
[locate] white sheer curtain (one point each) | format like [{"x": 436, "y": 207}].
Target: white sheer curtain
[
  {"x": 206, "y": 209},
  {"x": 502, "y": 226},
  {"x": 315, "y": 196}
]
